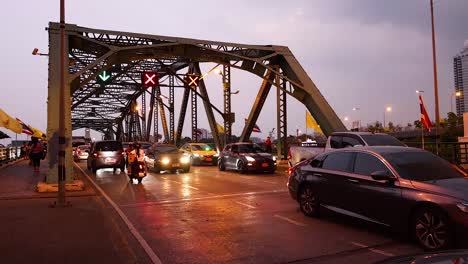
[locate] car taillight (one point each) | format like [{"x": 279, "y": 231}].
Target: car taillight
[{"x": 291, "y": 170}]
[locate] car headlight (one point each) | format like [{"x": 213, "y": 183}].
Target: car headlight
[
  {"x": 274, "y": 158},
  {"x": 216, "y": 155},
  {"x": 248, "y": 158},
  {"x": 184, "y": 160},
  {"x": 196, "y": 155},
  {"x": 165, "y": 161},
  {"x": 463, "y": 207}
]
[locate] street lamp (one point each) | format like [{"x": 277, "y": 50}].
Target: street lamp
[
  {"x": 36, "y": 52},
  {"x": 452, "y": 98},
  {"x": 359, "y": 121},
  {"x": 387, "y": 109}
]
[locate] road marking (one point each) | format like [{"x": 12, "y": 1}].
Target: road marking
[
  {"x": 289, "y": 220},
  {"x": 247, "y": 205},
  {"x": 381, "y": 252},
  {"x": 154, "y": 258},
  {"x": 185, "y": 185},
  {"x": 271, "y": 182},
  {"x": 202, "y": 198}
]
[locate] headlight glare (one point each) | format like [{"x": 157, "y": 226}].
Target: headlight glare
[
  {"x": 274, "y": 158},
  {"x": 216, "y": 155},
  {"x": 196, "y": 155},
  {"x": 184, "y": 160},
  {"x": 165, "y": 161},
  {"x": 463, "y": 207},
  {"x": 248, "y": 158}
]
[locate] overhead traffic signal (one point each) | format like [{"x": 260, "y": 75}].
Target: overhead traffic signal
[
  {"x": 149, "y": 79},
  {"x": 192, "y": 80},
  {"x": 105, "y": 77}
]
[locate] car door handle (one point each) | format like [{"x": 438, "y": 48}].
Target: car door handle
[
  {"x": 318, "y": 175},
  {"x": 353, "y": 180}
]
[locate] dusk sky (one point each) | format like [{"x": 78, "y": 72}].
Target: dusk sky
[{"x": 362, "y": 53}]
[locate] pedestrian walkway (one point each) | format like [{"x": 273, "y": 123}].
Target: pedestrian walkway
[{"x": 32, "y": 232}]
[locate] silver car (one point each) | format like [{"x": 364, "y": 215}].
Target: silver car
[
  {"x": 81, "y": 153},
  {"x": 106, "y": 154}
]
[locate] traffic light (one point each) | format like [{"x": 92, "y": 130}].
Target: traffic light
[
  {"x": 105, "y": 77},
  {"x": 149, "y": 79},
  {"x": 192, "y": 80}
]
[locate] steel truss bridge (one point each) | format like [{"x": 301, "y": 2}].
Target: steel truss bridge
[{"x": 110, "y": 108}]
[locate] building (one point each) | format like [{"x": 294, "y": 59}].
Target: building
[{"x": 460, "y": 69}]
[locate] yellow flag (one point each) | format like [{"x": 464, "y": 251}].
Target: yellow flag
[
  {"x": 7, "y": 121},
  {"x": 37, "y": 133},
  {"x": 311, "y": 123},
  {"x": 220, "y": 128}
]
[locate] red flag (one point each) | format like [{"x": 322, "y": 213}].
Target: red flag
[
  {"x": 25, "y": 128},
  {"x": 424, "y": 116}
]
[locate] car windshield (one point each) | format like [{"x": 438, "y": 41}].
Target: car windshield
[
  {"x": 250, "y": 148},
  {"x": 108, "y": 146},
  {"x": 84, "y": 147},
  {"x": 203, "y": 147},
  {"x": 422, "y": 166},
  {"x": 165, "y": 149},
  {"x": 382, "y": 140}
]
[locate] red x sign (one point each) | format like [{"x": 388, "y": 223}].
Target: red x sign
[
  {"x": 149, "y": 79},
  {"x": 192, "y": 80}
]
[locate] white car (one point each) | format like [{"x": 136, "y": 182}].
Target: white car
[{"x": 81, "y": 153}]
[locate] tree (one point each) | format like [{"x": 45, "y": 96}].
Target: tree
[
  {"x": 391, "y": 127},
  {"x": 417, "y": 123},
  {"x": 375, "y": 127}
]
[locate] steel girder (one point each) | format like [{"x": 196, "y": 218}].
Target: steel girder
[
  {"x": 128, "y": 54},
  {"x": 227, "y": 104}
]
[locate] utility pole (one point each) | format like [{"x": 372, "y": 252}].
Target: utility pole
[{"x": 436, "y": 87}]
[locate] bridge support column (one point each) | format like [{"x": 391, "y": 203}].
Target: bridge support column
[
  {"x": 53, "y": 103},
  {"x": 227, "y": 104},
  {"x": 282, "y": 130},
  {"x": 171, "y": 109}
]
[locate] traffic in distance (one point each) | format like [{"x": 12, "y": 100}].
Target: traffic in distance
[{"x": 371, "y": 177}]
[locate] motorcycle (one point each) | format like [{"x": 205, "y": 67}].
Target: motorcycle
[{"x": 138, "y": 171}]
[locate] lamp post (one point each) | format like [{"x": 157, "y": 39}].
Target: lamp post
[
  {"x": 436, "y": 85},
  {"x": 452, "y": 98},
  {"x": 387, "y": 109},
  {"x": 359, "y": 120}
]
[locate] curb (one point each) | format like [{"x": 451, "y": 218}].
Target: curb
[{"x": 42, "y": 187}]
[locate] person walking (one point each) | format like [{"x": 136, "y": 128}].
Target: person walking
[
  {"x": 36, "y": 153},
  {"x": 268, "y": 145}
]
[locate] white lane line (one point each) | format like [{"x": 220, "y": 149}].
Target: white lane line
[
  {"x": 154, "y": 258},
  {"x": 289, "y": 220},
  {"x": 381, "y": 252},
  {"x": 271, "y": 182},
  {"x": 247, "y": 205},
  {"x": 185, "y": 185},
  {"x": 202, "y": 198}
]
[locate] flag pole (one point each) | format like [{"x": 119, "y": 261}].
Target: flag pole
[{"x": 422, "y": 136}]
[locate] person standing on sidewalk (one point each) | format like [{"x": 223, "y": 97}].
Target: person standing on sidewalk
[
  {"x": 268, "y": 145},
  {"x": 36, "y": 153}
]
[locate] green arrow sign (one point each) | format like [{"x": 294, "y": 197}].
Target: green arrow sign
[{"x": 104, "y": 76}]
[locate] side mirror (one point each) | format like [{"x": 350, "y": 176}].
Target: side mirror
[{"x": 382, "y": 176}]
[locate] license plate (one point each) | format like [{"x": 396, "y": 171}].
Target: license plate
[
  {"x": 264, "y": 165},
  {"x": 208, "y": 159},
  {"x": 175, "y": 165},
  {"x": 110, "y": 160}
]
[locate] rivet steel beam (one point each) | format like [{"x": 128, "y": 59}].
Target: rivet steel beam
[
  {"x": 162, "y": 112},
  {"x": 171, "y": 109},
  {"x": 257, "y": 107},
  {"x": 227, "y": 104}
]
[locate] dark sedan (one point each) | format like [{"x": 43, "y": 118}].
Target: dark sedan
[
  {"x": 165, "y": 157},
  {"x": 404, "y": 188},
  {"x": 245, "y": 157}
]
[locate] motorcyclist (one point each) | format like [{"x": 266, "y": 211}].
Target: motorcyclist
[{"x": 135, "y": 156}]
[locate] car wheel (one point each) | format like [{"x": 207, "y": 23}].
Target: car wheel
[
  {"x": 88, "y": 167},
  {"x": 140, "y": 179},
  {"x": 221, "y": 165},
  {"x": 157, "y": 169},
  {"x": 186, "y": 170},
  {"x": 94, "y": 169},
  {"x": 272, "y": 171},
  {"x": 308, "y": 201},
  {"x": 431, "y": 229},
  {"x": 241, "y": 167}
]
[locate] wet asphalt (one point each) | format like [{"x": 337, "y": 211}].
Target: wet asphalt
[{"x": 208, "y": 216}]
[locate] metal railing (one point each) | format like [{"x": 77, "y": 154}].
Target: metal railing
[
  {"x": 9, "y": 154},
  {"x": 455, "y": 152}
]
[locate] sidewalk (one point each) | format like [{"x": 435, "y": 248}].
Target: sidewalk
[{"x": 31, "y": 232}]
